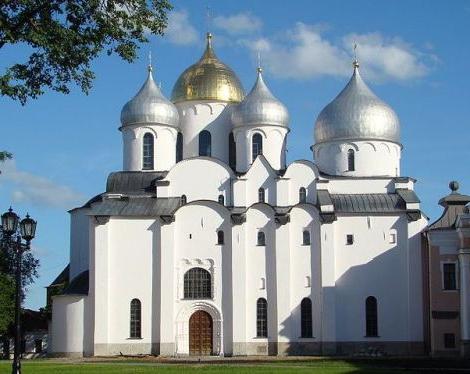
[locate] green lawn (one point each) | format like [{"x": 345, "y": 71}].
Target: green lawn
[{"x": 313, "y": 366}]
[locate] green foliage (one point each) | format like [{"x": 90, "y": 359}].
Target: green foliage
[
  {"x": 65, "y": 36},
  {"x": 29, "y": 268},
  {"x": 7, "y": 304},
  {"x": 4, "y": 155}
]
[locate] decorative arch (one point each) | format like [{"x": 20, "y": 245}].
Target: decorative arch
[
  {"x": 182, "y": 326},
  {"x": 345, "y": 146}
]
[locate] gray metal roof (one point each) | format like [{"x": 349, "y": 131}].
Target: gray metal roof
[
  {"x": 409, "y": 196},
  {"x": 357, "y": 113},
  {"x": 134, "y": 206},
  {"x": 79, "y": 285},
  {"x": 135, "y": 182},
  {"x": 367, "y": 203}
]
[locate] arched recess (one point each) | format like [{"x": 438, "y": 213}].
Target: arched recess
[{"x": 182, "y": 327}]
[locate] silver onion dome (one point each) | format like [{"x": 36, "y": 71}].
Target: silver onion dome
[
  {"x": 357, "y": 114},
  {"x": 149, "y": 106},
  {"x": 260, "y": 107}
]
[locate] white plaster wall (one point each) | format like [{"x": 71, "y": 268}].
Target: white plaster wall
[
  {"x": 130, "y": 276},
  {"x": 298, "y": 174},
  {"x": 259, "y": 175},
  {"x": 305, "y": 261},
  {"x": 68, "y": 324},
  {"x": 369, "y": 185},
  {"x": 372, "y": 158},
  {"x": 164, "y": 146},
  {"x": 196, "y": 227},
  {"x": 273, "y": 145},
  {"x": 373, "y": 267},
  {"x": 259, "y": 264},
  {"x": 196, "y": 116},
  {"x": 79, "y": 242},
  {"x": 200, "y": 179}
]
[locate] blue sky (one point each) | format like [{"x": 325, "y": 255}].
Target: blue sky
[{"x": 414, "y": 55}]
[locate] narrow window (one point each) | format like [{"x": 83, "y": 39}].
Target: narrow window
[
  {"x": 232, "y": 152},
  {"x": 261, "y": 238},
  {"x": 256, "y": 146},
  {"x": 308, "y": 281},
  {"x": 306, "y": 237},
  {"x": 183, "y": 199},
  {"x": 449, "y": 341},
  {"x": 205, "y": 146},
  {"x": 179, "y": 147},
  {"x": 349, "y": 239},
  {"x": 306, "y": 318},
  {"x": 351, "y": 161},
  {"x": 197, "y": 284},
  {"x": 221, "y": 199},
  {"x": 261, "y": 195},
  {"x": 262, "y": 284},
  {"x": 220, "y": 237},
  {"x": 302, "y": 195},
  {"x": 392, "y": 238},
  {"x": 450, "y": 280},
  {"x": 262, "y": 318},
  {"x": 371, "y": 316},
  {"x": 136, "y": 311},
  {"x": 147, "y": 152}
]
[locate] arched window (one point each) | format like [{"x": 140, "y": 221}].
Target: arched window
[
  {"x": 261, "y": 238},
  {"x": 371, "y": 316},
  {"x": 220, "y": 237},
  {"x": 256, "y": 146},
  {"x": 261, "y": 195},
  {"x": 205, "y": 143},
  {"x": 305, "y": 237},
  {"x": 179, "y": 147},
  {"x": 147, "y": 152},
  {"x": 136, "y": 311},
  {"x": 261, "y": 318},
  {"x": 306, "y": 318},
  {"x": 351, "y": 161},
  {"x": 197, "y": 284},
  {"x": 232, "y": 152},
  {"x": 302, "y": 195},
  {"x": 183, "y": 199},
  {"x": 221, "y": 199}
]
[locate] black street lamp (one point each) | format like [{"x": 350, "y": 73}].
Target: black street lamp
[{"x": 12, "y": 239}]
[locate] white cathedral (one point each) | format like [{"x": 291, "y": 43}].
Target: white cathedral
[{"x": 208, "y": 243}]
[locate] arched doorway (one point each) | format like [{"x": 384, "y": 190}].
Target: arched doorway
[{"x": 200, "y": 334}]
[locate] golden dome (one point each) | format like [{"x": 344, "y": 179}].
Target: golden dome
[{"x": 208, "y": 79}]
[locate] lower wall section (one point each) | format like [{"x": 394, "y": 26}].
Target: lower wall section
[
  {"x": 380, "y": 348},
  {"x": 264, "y": 348}
]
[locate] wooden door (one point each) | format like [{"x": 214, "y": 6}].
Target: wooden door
[{"x": 200, "y": 334}]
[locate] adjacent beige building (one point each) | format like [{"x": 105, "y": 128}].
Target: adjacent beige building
[{"x": 447, "y": 278}]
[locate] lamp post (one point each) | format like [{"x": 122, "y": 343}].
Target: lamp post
[{"x": 13, "y": 240}]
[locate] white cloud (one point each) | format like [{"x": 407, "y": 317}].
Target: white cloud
[
  {"x": 238, "y": 24},
  {"x": 38, "y": 190},
  {"x": 180, "y": 30},
  {"x": 303, "y": 52}
]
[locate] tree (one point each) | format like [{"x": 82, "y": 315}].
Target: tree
[
  {"x": 29, "y": 269},
  {"x": 65, "y": 36},
  {"x": 4, "y": 155}
]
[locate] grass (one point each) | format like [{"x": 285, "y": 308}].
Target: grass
[{"x": 318, "y": 366}]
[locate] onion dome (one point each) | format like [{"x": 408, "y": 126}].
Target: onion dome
[
  {"x": 260, "y": 107},
  {"x": 208, "y": 79},
  {"x": 357, "y": 114},
  {"x": 149, "y": 106}
]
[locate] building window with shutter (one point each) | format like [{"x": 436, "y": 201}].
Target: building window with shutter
[{"x": 449, "y": 276}]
